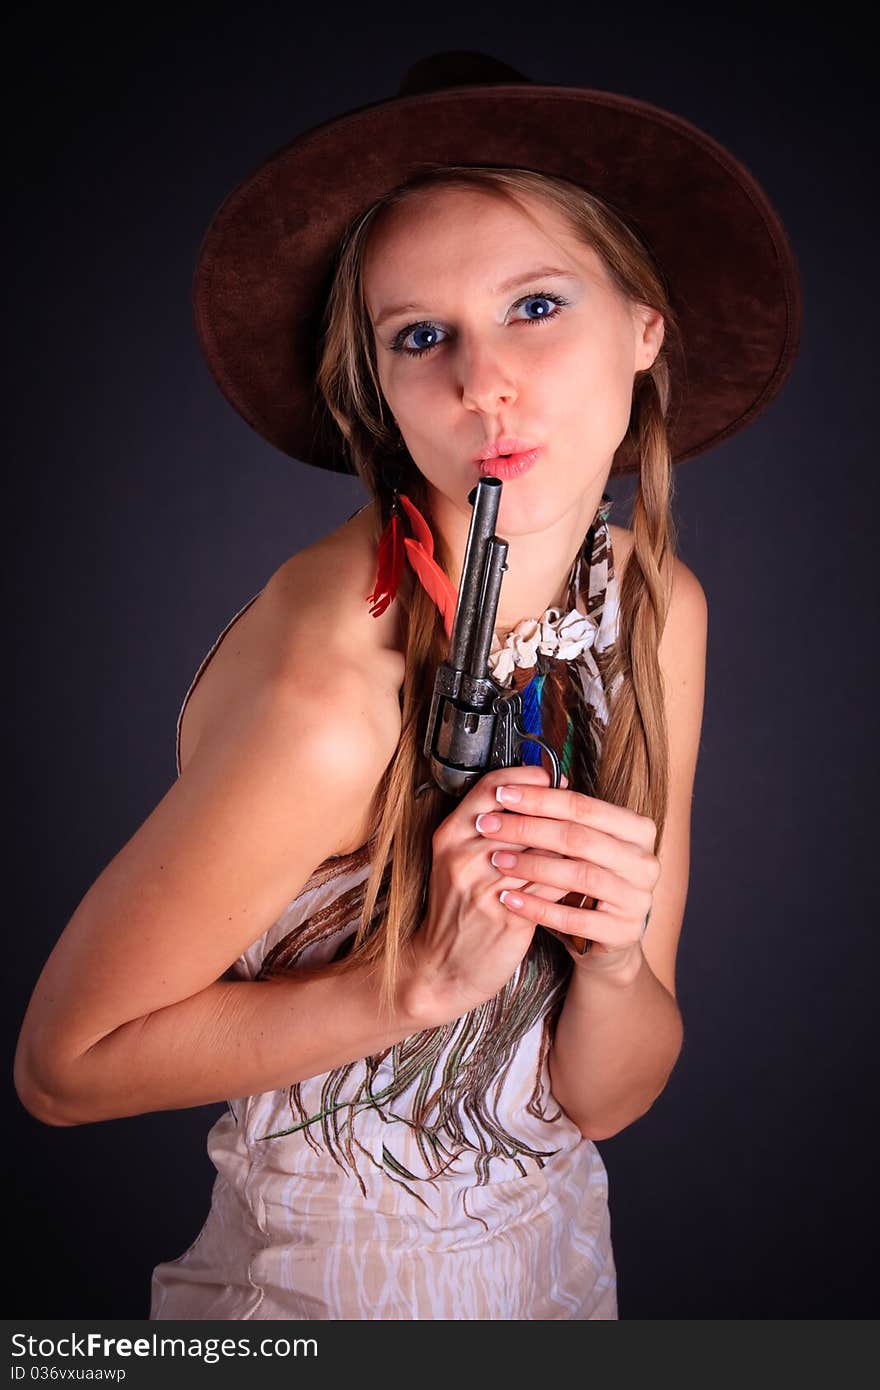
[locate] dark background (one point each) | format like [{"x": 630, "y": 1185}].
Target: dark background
[{"x": 144, "y": 512}]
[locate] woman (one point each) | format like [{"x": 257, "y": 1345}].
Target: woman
[{"x": 419, "y": 1058}]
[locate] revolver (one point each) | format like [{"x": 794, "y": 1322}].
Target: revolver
[{"x": 474, "y": 724}]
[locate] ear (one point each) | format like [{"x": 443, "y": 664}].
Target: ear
[{"x": 649, "y": 331}]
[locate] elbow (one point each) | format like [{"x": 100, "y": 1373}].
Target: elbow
[
  {"x": 598, "y": 1132},
  {"x": 616, "y": 1124},
  {"x": 39, "y": 1100},
  {"x": 42, "y": 1105}
]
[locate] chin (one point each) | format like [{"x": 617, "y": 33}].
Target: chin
[{"x": 524, "y": 516}]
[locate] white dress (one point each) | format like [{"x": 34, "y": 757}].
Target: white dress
[{"x": 334, "y": 1201}]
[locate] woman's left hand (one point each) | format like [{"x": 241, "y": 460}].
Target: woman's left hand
[{"x": 568, "y": 843}]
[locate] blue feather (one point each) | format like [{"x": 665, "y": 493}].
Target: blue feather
[{"x": 531, "y": 718}]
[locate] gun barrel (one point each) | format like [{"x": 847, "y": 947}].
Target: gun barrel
[
  {"x": 484, "y": 631},
  {"x": 477, "y": 581}
]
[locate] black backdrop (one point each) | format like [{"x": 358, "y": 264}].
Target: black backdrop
[{"x": 143, "y": 513}]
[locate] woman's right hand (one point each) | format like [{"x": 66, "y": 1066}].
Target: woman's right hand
[{"x": 469, "y": 943}]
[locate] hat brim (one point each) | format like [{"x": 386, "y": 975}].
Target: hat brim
[{"x": 264, "y": 266}]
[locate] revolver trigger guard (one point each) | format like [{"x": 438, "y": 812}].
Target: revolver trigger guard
[{"x": 521, "y": 736}]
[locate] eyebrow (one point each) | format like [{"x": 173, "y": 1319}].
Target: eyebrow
[{"x": 540, "y": 272}]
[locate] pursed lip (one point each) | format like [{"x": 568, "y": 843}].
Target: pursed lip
[
  {"x": 505, "y": 444},
  {"x": 509, "y": 466}
]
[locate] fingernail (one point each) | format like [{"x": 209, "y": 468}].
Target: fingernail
[
  {"x": 503, "y": 859},
  {"x": 510, "y": 899},
  {"x": 485, "y": 822},
  {"x": 508, "y": 794}
]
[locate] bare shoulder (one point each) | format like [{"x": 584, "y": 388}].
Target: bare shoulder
[
  {"x": 323, "y": 589},
  {"x": 688, "y": 599},
  {"x": 310, "y": 629}
]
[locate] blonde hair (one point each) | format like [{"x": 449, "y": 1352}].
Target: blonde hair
[{"x": 632, "y": 770}]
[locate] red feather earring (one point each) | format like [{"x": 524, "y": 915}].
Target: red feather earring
[
  {"x": 391, "y": 557},
  {"x": 420, "y": 553},
  {"x": 419, "y": 550}
]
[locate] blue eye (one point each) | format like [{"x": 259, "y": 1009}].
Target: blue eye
[
  {"x": 424, "y": 347},
  {"x": 431, "y": 330},
  {"x": 540, "y": 299}
]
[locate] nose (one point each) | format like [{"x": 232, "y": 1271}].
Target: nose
[{"x": 486, "y": 380}]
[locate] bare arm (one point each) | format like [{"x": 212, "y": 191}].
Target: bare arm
[
  {"x": 130, "y": 1012},
  {"x": 620, "y": 1031},
  {"x": 620, "y": 1035},
  {"x": 234, "y": 1038}
]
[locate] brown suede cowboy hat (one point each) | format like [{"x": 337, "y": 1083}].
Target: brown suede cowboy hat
[{"x": 265, "y": 264}]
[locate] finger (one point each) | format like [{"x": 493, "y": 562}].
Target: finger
[
  {"x": 538, "y": 890},
  {"x": 482, "y": 796},
  {"x": 520, "y": 774},
  {"x": 458, "y": 825},
  {"x": 592, "y": 924},
  {"x": 564, "y": 804},
  {"x": 574, "y": 841},
  {"x": 577, "y": 876},
  {"x": 481, "y": 801}
]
